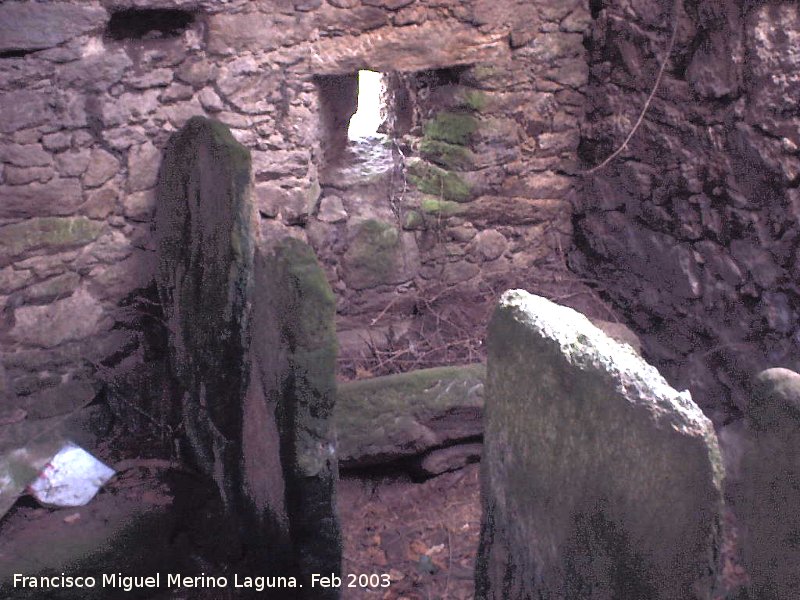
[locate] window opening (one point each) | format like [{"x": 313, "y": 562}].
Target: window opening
[
  {"x": 369, "y": 116},
  {"x": 151, "y": 23},
  {"x": 15, "y": 53}
]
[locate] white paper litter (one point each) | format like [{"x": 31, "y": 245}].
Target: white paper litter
[{"x": 71, "y": 478}]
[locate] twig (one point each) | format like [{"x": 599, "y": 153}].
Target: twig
[
  {"x": 383, "y": 312},
  {"x": 449, "y": 562}
]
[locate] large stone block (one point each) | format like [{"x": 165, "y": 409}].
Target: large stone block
[
  {"x": 143, "y": 163},
  {"x": 56, "y": 197},
  {"x": 23, "y": 108},
  {"x": 385, "y": 419},
  {"x": 598, "y": 479},
  {"x": 230, "y": 33},
  {"x": 294, "y": 362},
  {"x": 376, "y": 256},
  {"x": 77, "y": 317},
  {"x": 34, "y": 26},
  {"x": 252, "y": 355},
  {"x": 499, "y": 210},
  {"x": 770, "y": 486},
  {"x": 427, "y": 46},
  {"x": 52, "y": 233},
  {"x": 205, "y": 242},
  {"x": 25, "y": 155}
]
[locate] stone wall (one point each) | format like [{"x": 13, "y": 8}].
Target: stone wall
[
  {"x": 694, "y": 228},
  {"x": 91, "y": 92},
  {"x": 691, "y": 232}
]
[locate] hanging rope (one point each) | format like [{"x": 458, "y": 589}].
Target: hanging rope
[{"x": 649, "y": 98}]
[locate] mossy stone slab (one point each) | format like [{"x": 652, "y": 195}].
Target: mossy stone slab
[
  {"x": 294, "y": 350},
  {"x": 54, "y": 233},
  {"x": 598, "y": 479},
  {"x": 439, "y": 182},
  {"x": 396, "y": 416},
  {"x": 431, "y": 205},
  {"x": 449, "y": 156},
  {"x": 768, "y": 493}
]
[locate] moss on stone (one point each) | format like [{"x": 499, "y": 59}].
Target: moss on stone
[
  {"x": 370, "y": 413},
  {"x": 475, "y": 100},
  {"x": 206, "y": 240},
  {"x": 309, "y": 324},
  {"x": 450, "y": 156},
  {"x": 48, "y": 290},
  {"x": 589, "y": 420},
  {"x": 220, "y": 133},
  {"x": 439, "y": 182},
  {"x": 55, "y": 233},
  {"x": 436, "y": 206},
  {"x": 314, "y": 303},
  {"x": 482, "y": 74},
  {"x": 374, "y": 254},
  {"x": 452, "y": 127},
  {"x": 303, "y": 310},
  {"x": 413, "y": 220}
]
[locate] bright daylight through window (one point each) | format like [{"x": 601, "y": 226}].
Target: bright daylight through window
[{"x": 367, "y": 119}]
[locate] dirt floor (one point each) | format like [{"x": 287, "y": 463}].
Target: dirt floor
[{"x": 423, "y": 535}]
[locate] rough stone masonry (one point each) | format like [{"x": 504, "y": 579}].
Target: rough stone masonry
[
  {"x": 598, "y": 479},
  {"x": 507, "y": 103},
  {"x": 695, "y": 228},
  {"x": 91, "y": 92}
]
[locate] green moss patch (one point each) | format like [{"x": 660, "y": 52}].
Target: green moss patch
[
  {"x": 475, "y": 100},
  {"x": 486, "y": 76},
  {"x": 435, "y": 206},
  {"x": 436, "y": 181},
  {"x": 413, "y": 220},
  {"x": 55, "y": 233},
  {"x": 314, "y": 303},
  {"x": 455, "y": 128},
  {"x": 389, "y": 415},
  {"x": 374, "y": 255},
  {"x": 222, "y": 136},
  {"x": 450, "y": 156}
]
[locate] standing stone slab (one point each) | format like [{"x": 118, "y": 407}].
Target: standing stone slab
[
  {"x": 769, "y": 502},
  {"x": 252, "y": 356},
  {"x": 205, "y": 242},
  {"x": 598, "y": 479},
  {"x": 294, "y": 363}
]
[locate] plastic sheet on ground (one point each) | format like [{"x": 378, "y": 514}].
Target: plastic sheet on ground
[{"x": 71, "y": 478}]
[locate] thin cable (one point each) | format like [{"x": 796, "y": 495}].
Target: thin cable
[{"x": 649, "y": 98}]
